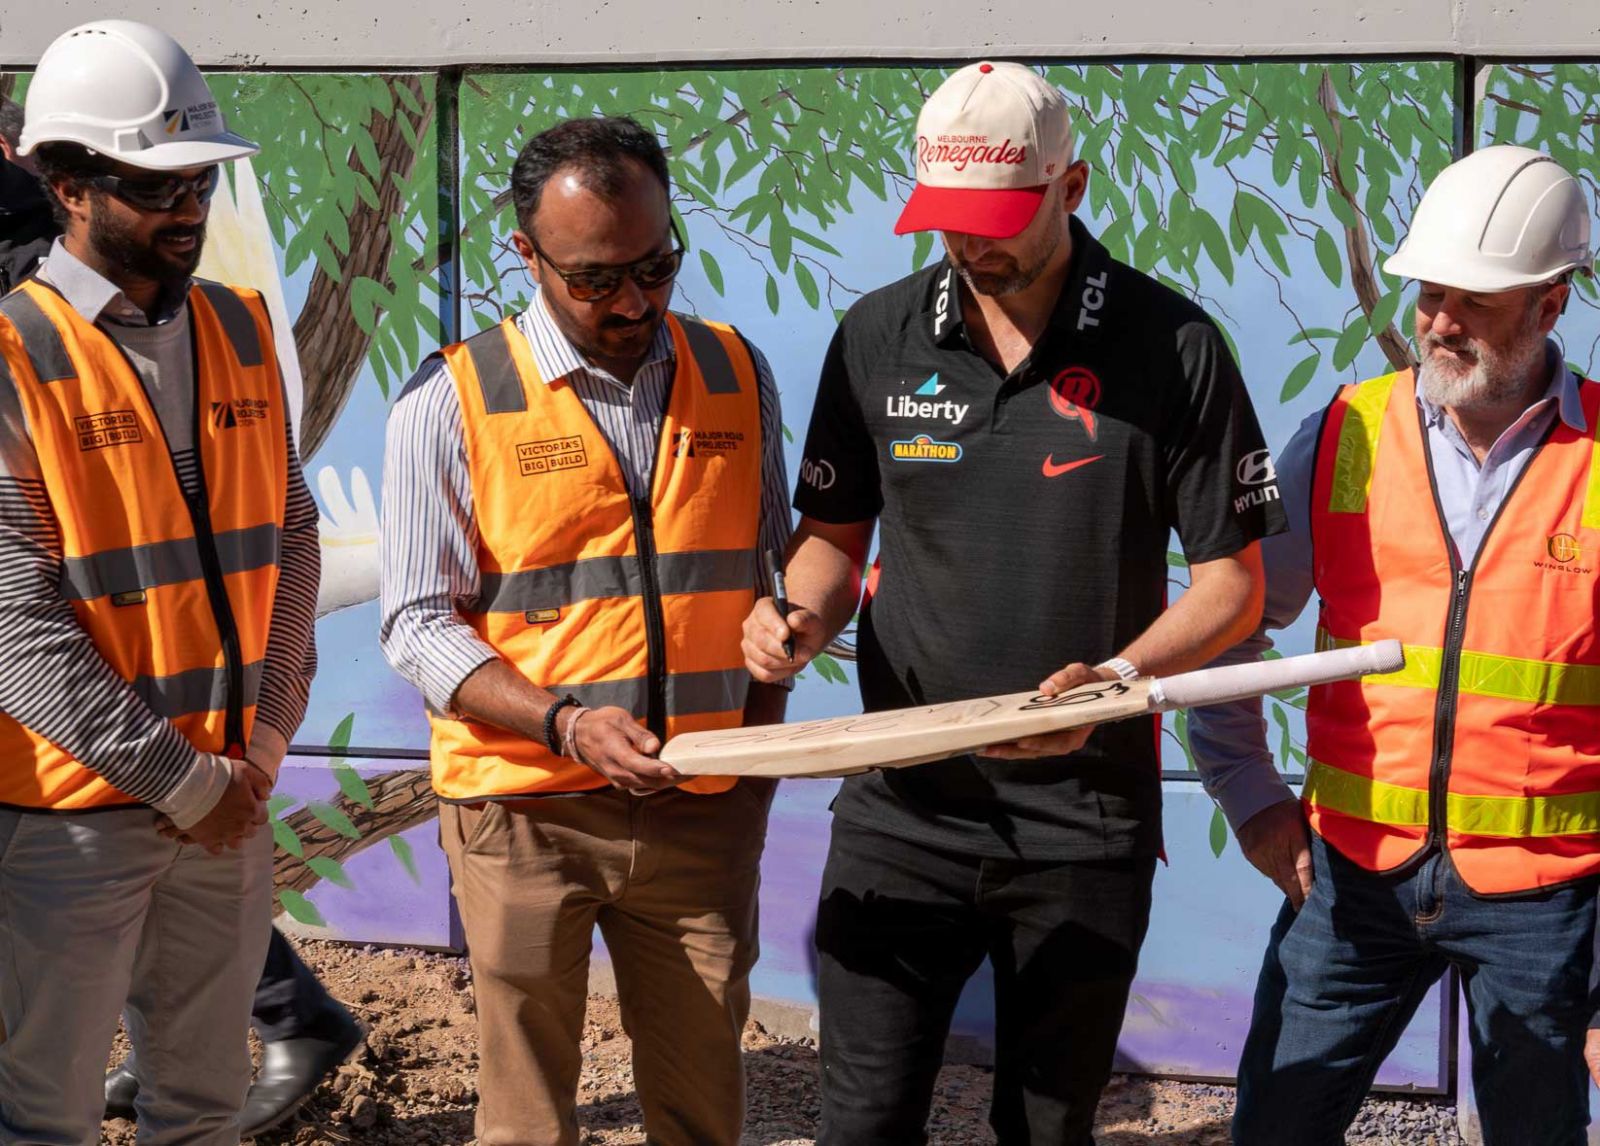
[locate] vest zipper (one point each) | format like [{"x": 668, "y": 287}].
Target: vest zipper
[
  {"x": 1444, "y": 715},
  {"x": 655, "y": 627},
  {"x": 199, "y": 507}
]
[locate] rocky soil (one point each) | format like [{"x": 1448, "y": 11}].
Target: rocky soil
[{"x": 414, "y": 1082}]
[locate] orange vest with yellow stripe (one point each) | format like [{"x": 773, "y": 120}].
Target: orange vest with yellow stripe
[
  {"x": 1488, "y": 740},
  {"x": 175, "y": 594},
  {"x": 587, "y": 591}
]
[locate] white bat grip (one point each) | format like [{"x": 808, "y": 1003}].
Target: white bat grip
[{"x": 1237, "y": 682}]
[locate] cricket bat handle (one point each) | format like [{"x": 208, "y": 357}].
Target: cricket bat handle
[{"x": 1238, "y": 682}]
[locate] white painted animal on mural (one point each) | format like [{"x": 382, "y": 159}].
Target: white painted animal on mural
[{"x": 239, "y": 250}]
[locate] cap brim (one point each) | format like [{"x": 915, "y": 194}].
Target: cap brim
[
  {"x": 183, "y": 153},
  {"x": 987, "y": 213}
]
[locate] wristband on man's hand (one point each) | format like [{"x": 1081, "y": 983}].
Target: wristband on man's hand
[
  {"x": 551, "y": 741},
  {"x": 1123, "y": 668}
]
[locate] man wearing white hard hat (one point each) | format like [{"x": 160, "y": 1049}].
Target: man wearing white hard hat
[
  {"x": 158, "y": 549},
  {"x": 1025, "y": 423},
  {"x": 1451, "y": 811}
]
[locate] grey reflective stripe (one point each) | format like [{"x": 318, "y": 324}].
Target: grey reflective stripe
[
  {"x": 689, "y": 693},
  {"x": 236, "y": 321},
  {"x": 709, "y": 571},
  {"x": 631, "y": 695},
  {"x": 40, "y": 337},
  {"x": 497, "y": 372},
  {"x": 197, "y": 690},
  {"x": 559, "y": 585},
  {"x": 165, "y": 563},
  {"x": 600, "y": 577},
  {"x": 711, "y": 356}
]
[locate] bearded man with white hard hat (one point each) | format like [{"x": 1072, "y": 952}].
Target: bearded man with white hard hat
[
  {"x": 1453, "y": 807},
  {"x": 1026, "y": 422},
  {"x": 159, "y": 556}
]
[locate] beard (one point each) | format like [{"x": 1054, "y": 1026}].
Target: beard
[
  {"x": 143, "y": 258},
  {"x": 1012, "y": 275},
  {"x": 1489, "y": 378}
]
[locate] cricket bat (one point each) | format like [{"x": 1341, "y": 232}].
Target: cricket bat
[{"x": 898, "y": 738}]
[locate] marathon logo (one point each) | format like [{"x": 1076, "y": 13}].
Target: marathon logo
[
  {"x": 961, "y": 151},
  {"x": 922, "y": 448},
  {"x": 550, "y": 455},
  {"x": 116, "y": 428}
]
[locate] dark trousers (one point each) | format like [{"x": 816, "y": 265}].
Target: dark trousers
[
  {"x": 290, "y": 1001},
  {"x": 902, "y": 927},
  {"x": 1343, "y": 976}
]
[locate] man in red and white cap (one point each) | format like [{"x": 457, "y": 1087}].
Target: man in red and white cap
[{"x": 1026, "y": 421}]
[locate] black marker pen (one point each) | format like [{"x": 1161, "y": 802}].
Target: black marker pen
[{"x": 780, "y": 597}]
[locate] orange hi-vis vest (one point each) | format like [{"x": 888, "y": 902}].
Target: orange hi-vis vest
[
  {"x": 586, "y": 590},
  {"x": 1487, "y": 742},
  {"x": 176, "y": 594}
]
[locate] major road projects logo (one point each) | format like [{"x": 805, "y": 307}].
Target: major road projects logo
[{"x": 908, "y": 405}]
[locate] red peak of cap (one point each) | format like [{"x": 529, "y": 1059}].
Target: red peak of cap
[{"x": 986, "y": 68}]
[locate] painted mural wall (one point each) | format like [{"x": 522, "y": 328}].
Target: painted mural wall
[{"x": 1268, "y": 192}]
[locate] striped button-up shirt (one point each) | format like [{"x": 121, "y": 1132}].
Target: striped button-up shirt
[{"x": 429, "y": 532}]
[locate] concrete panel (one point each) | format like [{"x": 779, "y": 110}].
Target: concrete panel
[{"x": 367, "y": 33}]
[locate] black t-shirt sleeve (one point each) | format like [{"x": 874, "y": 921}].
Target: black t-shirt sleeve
[
  {"x": 1222, "y": 493},
  {"x": 839, "y": 471}
]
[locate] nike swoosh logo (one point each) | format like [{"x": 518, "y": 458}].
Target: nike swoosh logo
[{"x": 1051, "y": 470}]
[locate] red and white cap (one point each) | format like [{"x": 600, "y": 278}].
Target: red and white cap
[{"x": 990, "y": 142}]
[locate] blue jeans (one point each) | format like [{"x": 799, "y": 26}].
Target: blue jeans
[{"x": 1344, "y": 975}]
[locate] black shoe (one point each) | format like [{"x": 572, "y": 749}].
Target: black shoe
[
  {"x": 122, "y": 1087},
  {"x": 291, "y": 1070}
]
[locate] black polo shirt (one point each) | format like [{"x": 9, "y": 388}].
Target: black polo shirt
[{"x": 1023, "y": 525}]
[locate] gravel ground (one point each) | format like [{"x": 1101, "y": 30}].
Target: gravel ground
[{"x": 414, "y": 1082}]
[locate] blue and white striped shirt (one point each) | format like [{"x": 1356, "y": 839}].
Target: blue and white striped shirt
[{"x": 429, "y": 532}]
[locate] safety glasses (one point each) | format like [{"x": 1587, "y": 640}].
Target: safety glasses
[
  {"x": 596, "y": 283},
  {"x": 162, "y": 193}
]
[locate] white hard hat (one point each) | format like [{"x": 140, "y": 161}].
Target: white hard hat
[
  {"x": 129, "y": 92},
  {"x": 1503, "y": 217}
]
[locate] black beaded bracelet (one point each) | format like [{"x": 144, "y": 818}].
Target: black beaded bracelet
[{"x": 568, "y": 701}]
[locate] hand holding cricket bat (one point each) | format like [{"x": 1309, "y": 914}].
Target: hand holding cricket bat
[{"x": 900, "y": 737}]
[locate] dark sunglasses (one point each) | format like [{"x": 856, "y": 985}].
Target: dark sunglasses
[
  {"x": 593, "y": 284},
  {"x": 162, "y": 193}
]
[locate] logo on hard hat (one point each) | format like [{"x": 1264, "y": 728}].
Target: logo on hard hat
[
  {"x": 1563, "y": 547},
  {"x": 181, "y": 119}
]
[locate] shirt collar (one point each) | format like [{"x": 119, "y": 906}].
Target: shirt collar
[
  {"x": 1562, "y": 389},
  {"x": 556, "y": 357},
  {"x": 92, "y": 295},
  {"x": 1082, "y": 294}
]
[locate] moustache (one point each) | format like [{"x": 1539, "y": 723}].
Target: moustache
[
  {"x": 183, "y": 231},
  {"x": 617, "y": 323}
]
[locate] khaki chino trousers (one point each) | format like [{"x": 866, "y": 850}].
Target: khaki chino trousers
[{"x": 670, "y": 880}]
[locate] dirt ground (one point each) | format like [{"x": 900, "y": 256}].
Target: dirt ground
[{"x": 414, "y": 1082}]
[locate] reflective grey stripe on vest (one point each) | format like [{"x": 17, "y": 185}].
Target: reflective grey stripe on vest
[
  {"x": 165, "y": 563},
  {"x": 197, "y": 690},
  {"x": 688, "y": 693},
  {"x": 40, "y": 337},
  {"x": 596, "y": 578},
  {"x": 236, "y": 320},
  {"x": 711, "y": 356},
  {"x": 497, "y": 372}
]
